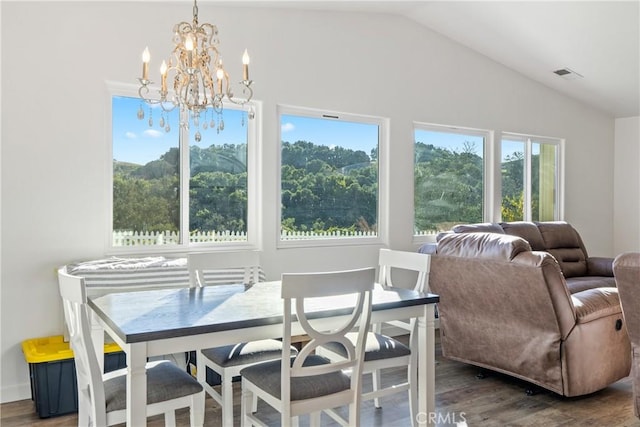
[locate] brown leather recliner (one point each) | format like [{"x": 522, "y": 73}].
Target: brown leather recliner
[
  {"x": 626, "y": 269},
  {"x": 506, "y": 307},
  {"x": 561, "y": 240}
]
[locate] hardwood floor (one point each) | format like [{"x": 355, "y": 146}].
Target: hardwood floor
[{"x": 497, "y": 400}]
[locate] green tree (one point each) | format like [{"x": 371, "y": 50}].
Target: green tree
[
  {"x": 327, "y": 189},
  {"x": 448, "y": 186},
  {"x": 145, "y": 204}
]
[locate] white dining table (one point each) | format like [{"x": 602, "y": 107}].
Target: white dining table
[{"x": 159, "y": 322}]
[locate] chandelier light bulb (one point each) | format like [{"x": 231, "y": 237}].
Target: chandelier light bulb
[
  {"x": 146, "y": 57},
  {"x": 188, "y": 43},
  {"x": 220, "y": 76},
  {"x": 245, "y": 65},
  {"x": 163, "y": 75}
]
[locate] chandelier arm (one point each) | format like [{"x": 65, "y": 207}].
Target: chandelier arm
[
  {"x": 168, "y": 106},
  {"x": 143, "y": 93},
  {"x": 181, "y": 28},
  {"x": 246, "y": 89}
]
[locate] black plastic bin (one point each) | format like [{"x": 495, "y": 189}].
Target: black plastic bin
[{"x": 52, "y": 370}]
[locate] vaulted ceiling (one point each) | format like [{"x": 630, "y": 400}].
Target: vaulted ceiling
[{"x": 598, "y": 40}]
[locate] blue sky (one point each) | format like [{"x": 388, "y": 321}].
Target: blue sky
[
  {"x": 361, "y": 136},
  {"x": 134, "y": 141},
  {"x": 356, "y": 136}
]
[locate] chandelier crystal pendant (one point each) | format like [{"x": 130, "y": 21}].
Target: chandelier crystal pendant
[{"x": 199, "y": 80}]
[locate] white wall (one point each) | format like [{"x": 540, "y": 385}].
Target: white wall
[
  {"x": 55, "y": 160},
  {"x": 626, "y": 191}
]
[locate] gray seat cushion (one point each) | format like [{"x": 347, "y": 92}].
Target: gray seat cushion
[
  {"x": 267, "y": 376},
  {"x": 165, "y": 381},
  {"x": 246, "y": 353},
  {"x": 378, "y": 347}
]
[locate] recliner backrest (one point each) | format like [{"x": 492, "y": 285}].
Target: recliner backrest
[
  {"x": 528, "y": 231},
  {"x": 558, "y": 238},
  {"x": 495, "y": 246},
  {"x": 563, "y": 242}
]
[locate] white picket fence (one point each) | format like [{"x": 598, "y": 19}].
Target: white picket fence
[
  {"x": 425, "y": 233},
  {"x": 305, "y": 235},
  {"x": 155, "y": 238}
]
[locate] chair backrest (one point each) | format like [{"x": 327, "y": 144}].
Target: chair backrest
[
  {"x": 200, "y": 264},
  {"x": 354, "y": 285},
  {"x": 389, "y": 260},
  {"x": 91, "y": 396},
  {"x": 407, "y": 262}
]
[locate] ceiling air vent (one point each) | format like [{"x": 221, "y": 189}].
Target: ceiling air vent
[{"x": 567, "y": 74}]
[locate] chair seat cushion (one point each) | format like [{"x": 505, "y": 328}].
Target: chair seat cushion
[
  {"x": 378, "y": 347},
  {"x": 165, "y": 381},
  {"x": 267, "y": 377},
  {"x": 246, "y": 353}
]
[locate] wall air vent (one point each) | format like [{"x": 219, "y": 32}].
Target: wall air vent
[{"x": 567, "y": 74}]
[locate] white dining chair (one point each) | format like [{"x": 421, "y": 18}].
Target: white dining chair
[
  {"x": 383, "y": 351},
  {"x": 220, "y": 268},
  {"x": 308, "y": 383},
  {"x": 102, "y": 397}
]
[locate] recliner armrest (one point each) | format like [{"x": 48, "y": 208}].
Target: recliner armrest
[
  {"x": 596, "y": 303},
  {"x": 600, "y": 266}
]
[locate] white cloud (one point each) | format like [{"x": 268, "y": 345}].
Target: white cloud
[
  {"x": 130, "y": 135},
  {"x": 288, "y": 127},
  {"x": 153, "y": 133}
]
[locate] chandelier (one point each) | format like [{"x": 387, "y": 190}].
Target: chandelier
[{"x": 198, "y": 79}]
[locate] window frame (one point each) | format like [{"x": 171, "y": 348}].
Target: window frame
[
  {"x": 254, "y": 173},
  {"x": 489, "y": 180},
  {"x": 528, "y": 141},
  {"x": 383, "y": 177}
]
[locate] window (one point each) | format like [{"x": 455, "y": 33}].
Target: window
[
  {"x": 531, "y": 178},
  {"x": 175, "y": 187},
  {"x": 449, "y": 177},
  {"x": 330, "y": 177}
]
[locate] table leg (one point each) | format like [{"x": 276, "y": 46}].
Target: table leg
[
  {"x": 137, "y": 385},
  {"x": 426, "y": 367}
]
